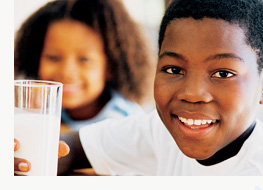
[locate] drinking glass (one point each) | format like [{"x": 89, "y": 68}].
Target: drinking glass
[{"x": 37, "y": 115}]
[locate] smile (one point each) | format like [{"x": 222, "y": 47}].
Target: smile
[
  {"x": 196, "y": 128},
  {"x": 71, "y": 88},
  {"x": 193, "y": 123}
]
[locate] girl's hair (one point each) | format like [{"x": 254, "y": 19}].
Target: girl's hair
[
  {"x": 248, "y": 14},
  {"x": 129, "y": 58}
]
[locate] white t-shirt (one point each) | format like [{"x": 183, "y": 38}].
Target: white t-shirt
[{"x": 141, "y": 145}]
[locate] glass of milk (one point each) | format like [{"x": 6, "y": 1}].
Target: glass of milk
[{"x": 37, "y": 115}]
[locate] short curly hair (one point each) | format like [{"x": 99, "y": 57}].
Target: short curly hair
[
  {"x": 248, "y": 14},
  {"x": 129, "y": 55}
]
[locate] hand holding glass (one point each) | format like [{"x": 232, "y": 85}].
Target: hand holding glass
[{"x": 37, "y": 116}]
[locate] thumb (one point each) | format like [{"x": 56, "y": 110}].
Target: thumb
[{"x": 63, "y": 149}]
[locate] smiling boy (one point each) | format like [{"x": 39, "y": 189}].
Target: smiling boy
[
  {"x": 208, "y": 88},
  {"x": 207, "y": 83}
]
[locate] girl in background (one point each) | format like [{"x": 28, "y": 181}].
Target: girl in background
[{"x": 96, "y": 50}]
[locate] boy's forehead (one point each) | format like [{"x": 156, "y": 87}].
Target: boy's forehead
[
  {"x": 203, "y": 38},
  {"x": 207, "y": 29},
  {"x": 211, "y": 23}
]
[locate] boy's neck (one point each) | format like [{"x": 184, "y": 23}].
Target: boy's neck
[{"x": 228, "y": 151}]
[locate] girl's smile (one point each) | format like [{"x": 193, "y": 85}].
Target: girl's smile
[{"x": 71, "y": 88}]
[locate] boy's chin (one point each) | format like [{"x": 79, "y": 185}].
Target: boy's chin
[{"x": 197, "y": 154}]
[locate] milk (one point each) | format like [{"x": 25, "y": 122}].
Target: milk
[{"x": 38, "y": 135}]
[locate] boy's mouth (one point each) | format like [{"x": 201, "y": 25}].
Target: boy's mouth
[
  {"x": 196, "y": 128},
  {"x": 196, "y": 123}
]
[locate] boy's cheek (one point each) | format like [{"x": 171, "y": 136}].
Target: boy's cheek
[{"x": 163, "y": 90}]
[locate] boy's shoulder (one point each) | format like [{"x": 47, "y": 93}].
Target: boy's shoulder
[
  {"x": 254, "y": 148},
  {"x": 259, "y": 129},
  {"x": 256, "y": 137}
]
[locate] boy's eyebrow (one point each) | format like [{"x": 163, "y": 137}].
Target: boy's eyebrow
[
  {"x": 172, "y": 54},
  {"x": 224, "y": 55},
  {"x": 212, "y": 57}
]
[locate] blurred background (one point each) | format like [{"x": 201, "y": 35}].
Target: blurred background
[{"x": 148, "y": 13}]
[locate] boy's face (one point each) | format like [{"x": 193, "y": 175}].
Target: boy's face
[{"x": 207, "y": 86}]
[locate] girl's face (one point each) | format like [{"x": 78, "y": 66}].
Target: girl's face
[
  {"x": 207, "y": 85},
  {"x": 73, "y": 54}
]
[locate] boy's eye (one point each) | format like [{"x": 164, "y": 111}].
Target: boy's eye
[
  {"x": 174, "y": 70},
  {"x": 223, "y": 74}
]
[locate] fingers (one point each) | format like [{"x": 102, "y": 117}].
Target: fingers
[
  {"x": 16, "y": 145},
  {"x": 63, "y": 149},
  {"x": 25, "y": 166},
  {"x": 21, "y": 165}
]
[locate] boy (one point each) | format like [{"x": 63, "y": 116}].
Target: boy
[{"x": 208, "y": 88}]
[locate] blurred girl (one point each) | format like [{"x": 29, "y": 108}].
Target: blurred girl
[{"x": 96, "y": 50}]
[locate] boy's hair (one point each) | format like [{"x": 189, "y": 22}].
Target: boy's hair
[
  {"x": 248, "y": 14},
  {"x": 129, "y": 60}
]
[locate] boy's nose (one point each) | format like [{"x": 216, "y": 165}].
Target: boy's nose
[{"x": 195, "y": 89}]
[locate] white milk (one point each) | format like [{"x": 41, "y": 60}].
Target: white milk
[{"x": 38, "y": 136}]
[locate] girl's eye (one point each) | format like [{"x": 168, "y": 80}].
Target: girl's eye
[
  {"x": 83, "y": 59},
  {"x": 53, "y": 58},
  {"x": 223, "y": 74},
  {"x": 174, "y": 70}
]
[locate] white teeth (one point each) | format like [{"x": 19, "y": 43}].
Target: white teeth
[
  {"x": 190, "y": 121},
  {"x": 203, "y": 121},
  {"x": 209, "y": 121},
  {"x": 196, "y": 121},
  {"x": 183, "y": 120}
]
